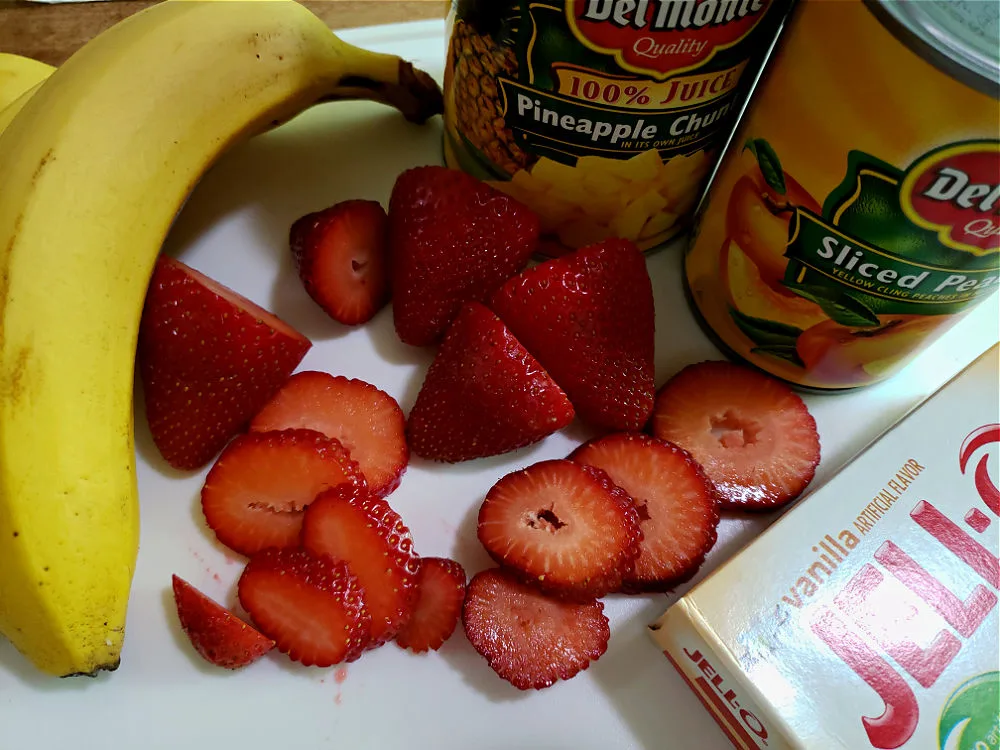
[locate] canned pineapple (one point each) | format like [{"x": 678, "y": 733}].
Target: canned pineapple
[
  {"x": 604, "y": 116},
  {"x": 856, "y": 214}
]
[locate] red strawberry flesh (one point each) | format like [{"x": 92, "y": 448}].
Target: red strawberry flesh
[
  {"x": 453, "y": 239},
  {"x": 441, "y": 586},
  {"x": 208, "y": 359},
  {"x": 676, "y": 503},
  {"x": 563, "y": 527},
  {"x": 255, "y": 493},
  {"x": 350, "y": 524},
  {"x": 219, "y": 636},
  {"x": 753, "y": 436},
  {"x": 588, "y": 319},
  {"x": 367, "y": 421},
  {"x": 530, "y": 639},
  {"x": 484, "y": 394},
  {"x": 311, "y": 606},
  {"x": 341, "y": 256}
]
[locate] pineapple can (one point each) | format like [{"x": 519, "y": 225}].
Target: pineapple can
[
  {"x": 604, "y": 116},
  {"x": 856, "y": 213}
]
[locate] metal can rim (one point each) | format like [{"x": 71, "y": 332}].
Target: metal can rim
[{"x": 938, "y": 45}]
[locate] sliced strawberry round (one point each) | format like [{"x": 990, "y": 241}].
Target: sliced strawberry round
[
  {"x": 366, "y": 421},
  {"x": 222, "y": 638},
  {"x": 678, "y": 510},
  {"x": 341, "y": 256},
  {"x": 484, "y": 394},
  {"x": 349, "y": 523},
  {"x": 208, "y": 359},
  {"x": 311, "y": 606},
  {"x": 255, "y": 493},
  {"x": 441, "y": 586},
  {"x": 753, "y": 436},
  {"x": 530, "y": 639},
  {"x": 563, "y": 527}
]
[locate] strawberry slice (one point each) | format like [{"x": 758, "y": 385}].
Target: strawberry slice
[
  {"x": 208, "y": 359},
  {"x": 441, "y": 587},
  {"x": 348, "y": 523},
  {"x": 563, "y": 527},
  {"x": 753, "y": 436},
  {"x": 483, "y": 394},
  {"x": 676, "y": 502},
  {"x": 366, "y": 421},
  {"x": 530, "y": 639},
  {"x": 222, "y": 638},
  {"x": 311, "y": 606},
  {"x": 255, "y": 493},
  {"x": 588, "y": 318},
  {"x": 341, "y": 256},
  {"x": 453, "y": 239}
]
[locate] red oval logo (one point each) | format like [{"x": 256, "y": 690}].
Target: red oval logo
[
  {"x": 661, "y": 37},
  {"x": 955, "y": 191}
]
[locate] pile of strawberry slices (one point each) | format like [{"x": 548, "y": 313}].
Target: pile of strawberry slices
[{"x": 304, "y": 464}]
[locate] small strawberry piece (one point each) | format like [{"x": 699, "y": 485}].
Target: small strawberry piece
[
  {"x": 530, "y": 639},
  {"x": 348, "y": 523},
  {"x": 366, "y": 421},
  {"x": 222, "y": 638},
  {"x": 588, "y": 318},
  {"x": 341, "y": 256},
  {"x": 441, "y": 586},
  {"x": 255, "y": 493},
  {"x": 453, "y": 239},
  {"x": 484, "y": 394},
  {"x": 753, "y": 436},
  {"x": 208, "y": 359},
  {"x": 676, "y": 502},
  {"x": 311, "y": 606},
  {"x": 563, "y": 527}
]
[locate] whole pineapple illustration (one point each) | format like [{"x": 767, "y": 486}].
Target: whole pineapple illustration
[{"x": 481, "y": 49}]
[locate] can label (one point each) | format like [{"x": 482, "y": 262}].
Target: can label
[
  {"x": 605, "y": 116},
  {"x": 826, "y": 253}
]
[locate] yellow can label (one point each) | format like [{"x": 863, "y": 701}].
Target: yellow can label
[
  {"x": 604, "y": 116},
  {"x": 857, "y": 213}
]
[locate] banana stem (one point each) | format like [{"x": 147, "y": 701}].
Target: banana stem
[{"x": 414, "y": 93}]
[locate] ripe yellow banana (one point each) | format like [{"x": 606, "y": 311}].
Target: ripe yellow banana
[
  {"x": 18, "y": 74},
  {"x": 93, "y": 169}
]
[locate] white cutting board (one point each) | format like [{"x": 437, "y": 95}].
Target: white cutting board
[{"x": 234, "y": 228}]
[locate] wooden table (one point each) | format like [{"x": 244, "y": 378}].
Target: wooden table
[{"x": 52, "y": 33}]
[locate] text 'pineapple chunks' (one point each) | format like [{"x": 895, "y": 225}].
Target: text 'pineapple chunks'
[{"x": 639, "y": 198}]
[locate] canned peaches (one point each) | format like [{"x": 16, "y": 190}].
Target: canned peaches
[
  {"x": 856, "y": 214},
  {"x": 604, "y": 116}
]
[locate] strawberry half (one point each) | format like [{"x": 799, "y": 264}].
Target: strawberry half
[
  {"x": 255, "y": 493},
  {"x": 453, "y": 239},
  {"x": 348, "y": 523},
  {"x": 208, "y": 359},
  {"x": 530, "y": 639},
  {"x": 441, "y": 586},
  {"x": 588, "y": 319},
  {"x": 367, "y": 422},
  {"x": 222, "y": 638},
  {"x": 341, "y": 256},
  {"x": 676, "y": 503},
  {"x": 311, "y": 606},
  {"x": 484, "y": 394},
  {"x": 753, "y": 436},
  {"x": 563, "y": 527}
]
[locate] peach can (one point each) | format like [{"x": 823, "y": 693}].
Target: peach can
[{"x": 856, "y": 214}]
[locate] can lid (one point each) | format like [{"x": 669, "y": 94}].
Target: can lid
[{"x": 960, "y": 36}]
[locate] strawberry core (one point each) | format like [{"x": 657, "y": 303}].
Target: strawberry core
[
  {"x": 545, "y": 519},
  {"x": 733, "y": 432}
]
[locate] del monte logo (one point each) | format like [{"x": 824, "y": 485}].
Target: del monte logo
[
  {"x": 657, "y": 36},
  {"x": 955, "y": 191}
]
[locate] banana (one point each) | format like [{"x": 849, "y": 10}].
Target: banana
[
  {"x": 18, "y": 74},
  {"x": 94, "y": 168}
]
